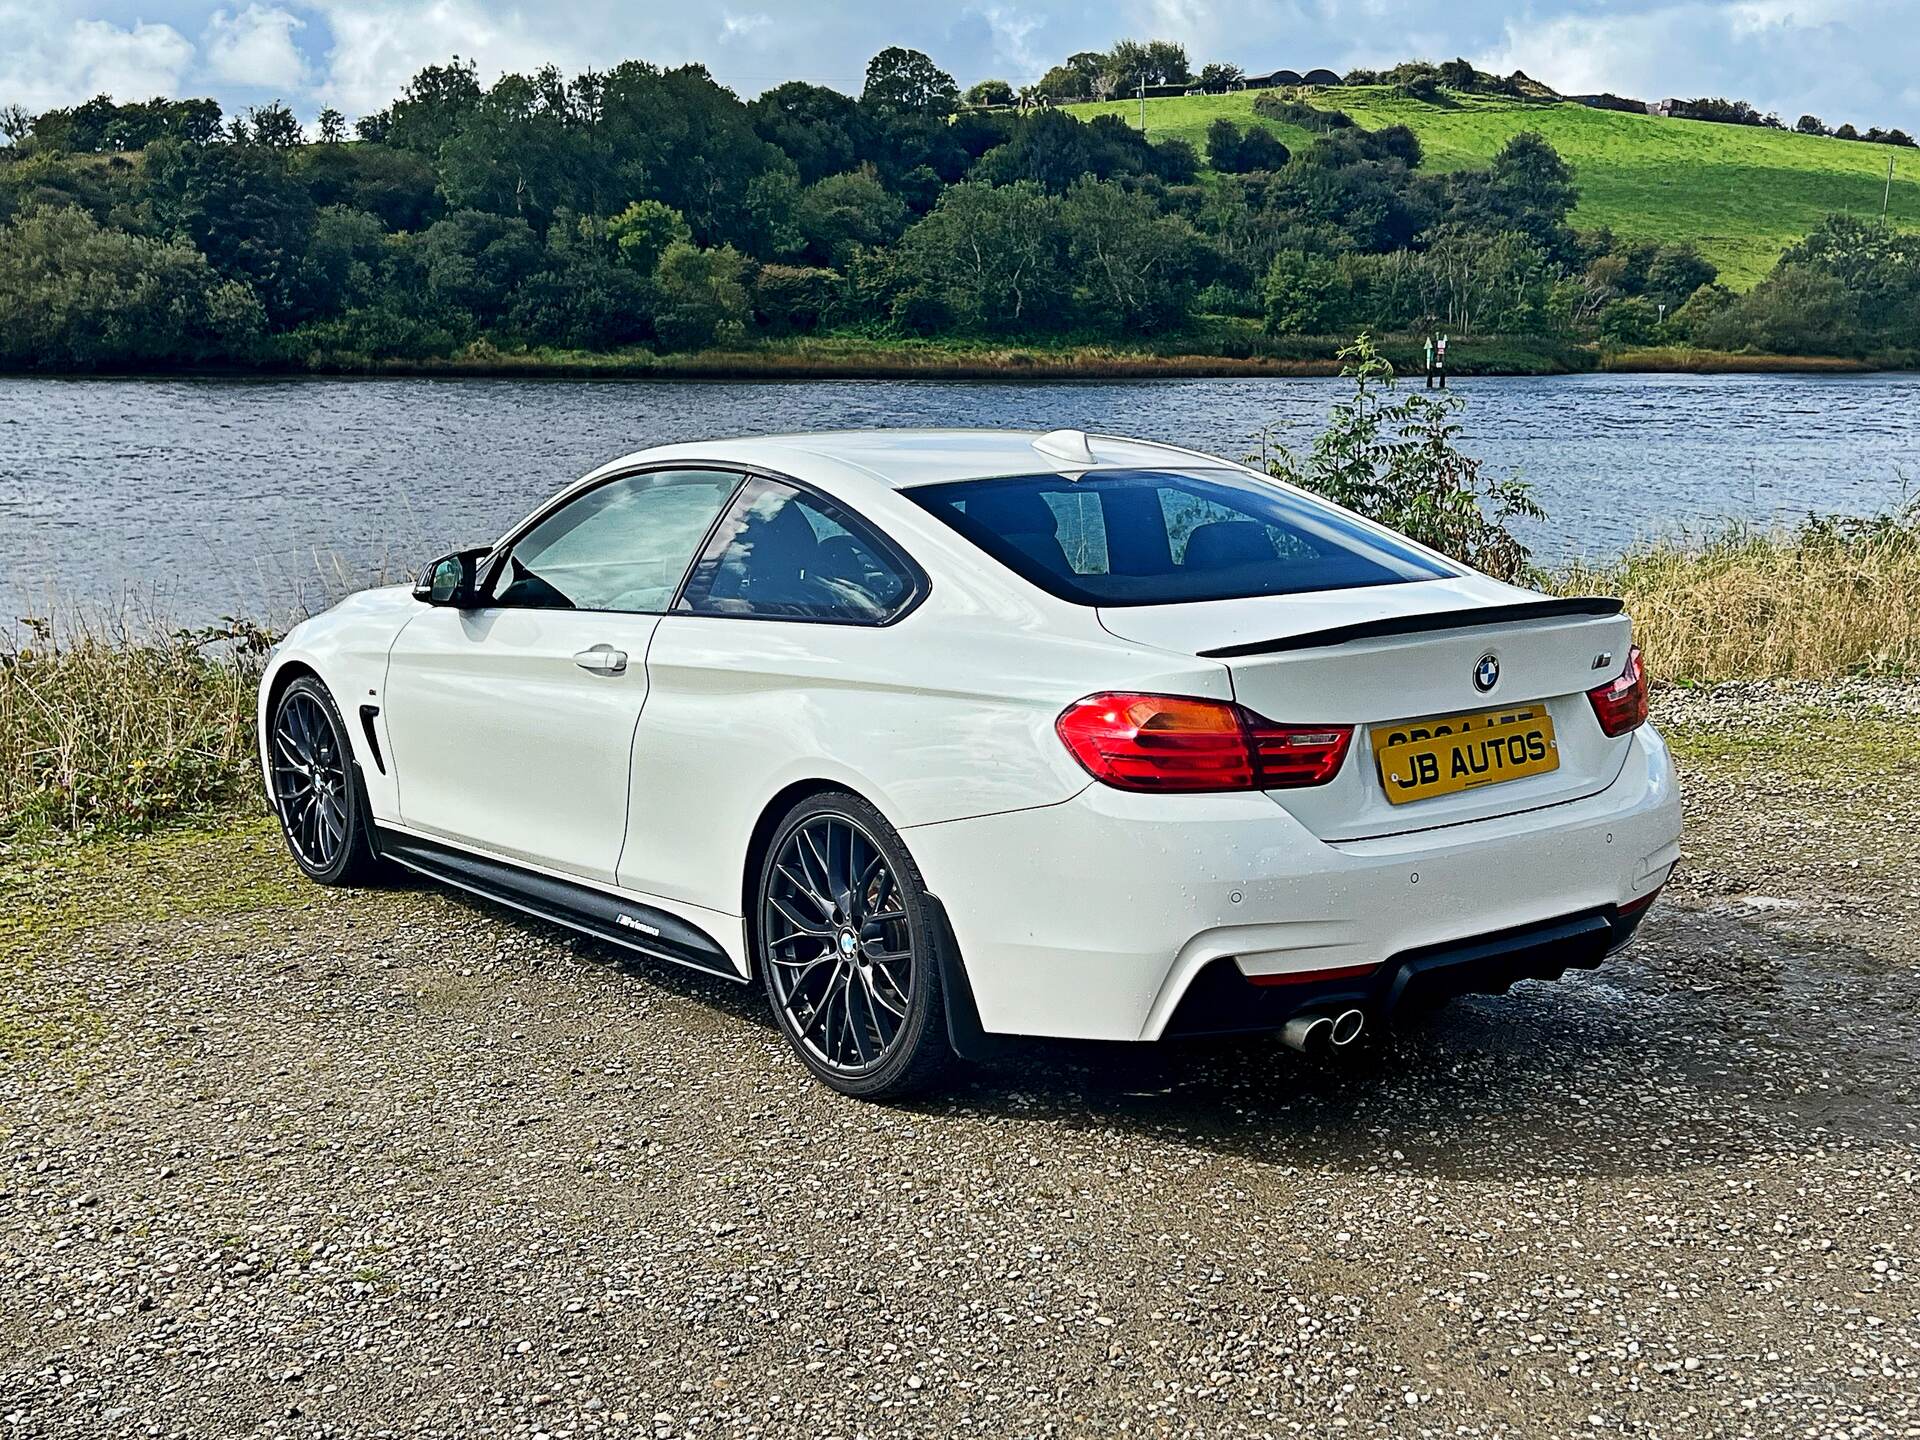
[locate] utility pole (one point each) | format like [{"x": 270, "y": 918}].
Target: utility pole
[
  {"x": 1143, "y": 116},
  {"x": 1884, "y": 198}
]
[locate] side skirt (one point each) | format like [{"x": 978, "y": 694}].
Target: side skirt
[{"x": 612, "y": 918}]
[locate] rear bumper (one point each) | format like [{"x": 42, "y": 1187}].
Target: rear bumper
[
  {"x": 1221, "y": 1000},
  {"x": 1096, "y": 918}
]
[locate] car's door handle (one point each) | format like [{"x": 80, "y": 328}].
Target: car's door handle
[{"x": 602, "y": 660}]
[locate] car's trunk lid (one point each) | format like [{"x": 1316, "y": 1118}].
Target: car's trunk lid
[{"x": 1374, "y": 657}]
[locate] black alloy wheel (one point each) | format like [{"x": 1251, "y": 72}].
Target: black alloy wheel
[
  {"x": 846, "y": 948},
  {"x": 316, "y": 787}
]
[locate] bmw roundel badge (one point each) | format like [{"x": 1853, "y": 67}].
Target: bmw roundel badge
[{"x": 1486, "y": 674}]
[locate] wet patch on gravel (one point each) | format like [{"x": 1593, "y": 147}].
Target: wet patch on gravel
[{"x": 290, "y": 1162}]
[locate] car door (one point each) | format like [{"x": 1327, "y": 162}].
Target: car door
[
  {"x": 512, "y": 722},
  {"x": 773, "y": 648}
]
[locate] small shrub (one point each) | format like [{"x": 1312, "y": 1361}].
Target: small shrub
[
  {"x": 1394, "y": 459},
  {"x": 1271, "y": 106},
  {"x": 1233, "y": 151},
  {"x": 1630, "y": 321},
  {"x": 703, "y": 297},
  {"x": 1221, "y": 298},
  {"x": 793, "y": 299}
]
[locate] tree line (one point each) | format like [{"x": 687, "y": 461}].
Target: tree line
[
  {"x": 649, "y": 206},
  {"x": 1738, "y": 112}
]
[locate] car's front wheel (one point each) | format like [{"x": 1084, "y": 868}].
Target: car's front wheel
[
  {"x": 316, "y": 789},
  {"x": 847, "y": 948}
]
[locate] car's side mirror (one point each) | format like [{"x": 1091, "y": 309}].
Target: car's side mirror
[{"x": 452, "y": 580}]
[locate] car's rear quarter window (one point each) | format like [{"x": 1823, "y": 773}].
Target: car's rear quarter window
[{"x": 1158, "y": 537}]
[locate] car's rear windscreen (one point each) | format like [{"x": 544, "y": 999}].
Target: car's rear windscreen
[{"x": 1160, "y": 537}]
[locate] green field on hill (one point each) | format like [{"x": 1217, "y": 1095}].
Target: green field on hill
[{"x": 1739, "y": 192}]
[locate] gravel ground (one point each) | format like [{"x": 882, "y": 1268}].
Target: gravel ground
[{"x": 289, "y": 1162}]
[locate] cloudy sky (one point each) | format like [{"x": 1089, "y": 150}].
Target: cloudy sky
[{"x": 1841, "y": 59}]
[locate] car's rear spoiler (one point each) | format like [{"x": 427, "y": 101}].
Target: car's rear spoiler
[{"x": 1418, "y": 624}]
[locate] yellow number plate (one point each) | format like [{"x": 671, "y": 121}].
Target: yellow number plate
[{"x": 1419, "y": 759}]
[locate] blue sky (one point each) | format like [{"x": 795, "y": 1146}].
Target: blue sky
[{"x": 1841, "y": 59}]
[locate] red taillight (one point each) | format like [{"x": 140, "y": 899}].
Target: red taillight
[
  {"x": 1620, "y": 705},
  {"x": 1172, "y": 743},
  {"x": 1158, "y": 742},
  {"x": 1292, "y": 755}
]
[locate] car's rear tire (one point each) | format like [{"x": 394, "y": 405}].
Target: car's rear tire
[
  {"x": 847, "y": 947},
  {"x": 315, "y": 787}
]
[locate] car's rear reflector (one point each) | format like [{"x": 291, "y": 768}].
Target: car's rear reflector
[
  {"x": 1620, "y": 705},
  {"x": 1311, "y": 977},
  {"x": 1634, "y": 907},
  {"x": 1174, "y": 743}
]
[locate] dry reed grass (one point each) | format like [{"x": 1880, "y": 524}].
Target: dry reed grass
[
  {"x": 107, "y": 724},
  {"x": 1834, "y": 598}
]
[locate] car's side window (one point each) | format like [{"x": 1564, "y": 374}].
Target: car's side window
[
  {"x": 779, "y": 553},
  {"x": 621, "y": 546}
]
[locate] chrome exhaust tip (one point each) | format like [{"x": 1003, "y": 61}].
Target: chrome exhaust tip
[
  {"x": 1308, "y": 1031},
  {"x": 1315, "y": 1031}
]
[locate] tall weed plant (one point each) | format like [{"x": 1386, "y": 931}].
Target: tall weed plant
[{"x": 1394, "y": 457}]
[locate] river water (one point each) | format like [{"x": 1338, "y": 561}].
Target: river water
[{"x": 197, "y": 498}]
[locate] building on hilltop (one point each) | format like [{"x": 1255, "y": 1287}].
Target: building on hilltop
[{"x": 1271, "y": 80}]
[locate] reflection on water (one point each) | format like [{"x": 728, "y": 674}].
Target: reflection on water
[{"x": 217, "y": 496}]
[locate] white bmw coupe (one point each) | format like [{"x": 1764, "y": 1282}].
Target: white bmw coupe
[{"x": 949, "y": 735}]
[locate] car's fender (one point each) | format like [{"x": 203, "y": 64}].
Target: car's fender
[{"x": 347, "y": 647}]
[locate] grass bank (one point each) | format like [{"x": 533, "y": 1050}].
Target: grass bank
[
  {"x": 119, "y": 729},
  {"x": 1684, "y": 360},
  {"x": 1228, "y": 348}
]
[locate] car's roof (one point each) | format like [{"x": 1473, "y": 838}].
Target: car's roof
[{"x": 907, "y": 458}]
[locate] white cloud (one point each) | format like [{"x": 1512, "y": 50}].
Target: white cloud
[
  {"x": 1013, "y": 49},
  {"x": 1175, "y": 18},
  {"x": 1785, "y": 55},
  {"x": 1580, "y": 54},
  {"x": 732, "y": 26},
  {"x": 378, "y": 47},
  {"x": 1747, "y": 17},
  {"x": 255, "y": 47},
  {"x": 1839, "y": 58},
  {"x": 52, "y": 59},
  {"x": 142, "y": 60}
]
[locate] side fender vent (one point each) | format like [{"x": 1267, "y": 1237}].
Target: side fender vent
[{"x": 368, "y": 714}]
